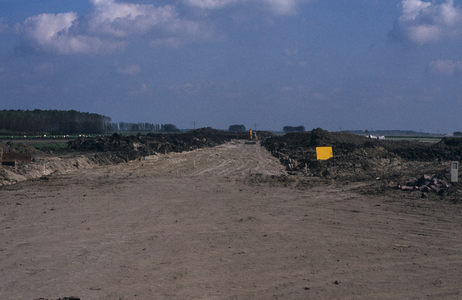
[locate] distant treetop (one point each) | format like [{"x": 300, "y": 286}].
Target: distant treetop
[
  {"x": 52, "y": 121},
  {"x": 288, "y": 129},
  {"x": 236, "y": 128}
]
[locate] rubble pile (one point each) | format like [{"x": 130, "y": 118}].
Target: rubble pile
[{"x": 425, "y": 183}]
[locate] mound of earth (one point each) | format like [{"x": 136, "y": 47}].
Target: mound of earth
[
  {"x": 357, "y": 158},
  {"x": 133, "y": 147},
  {"x": 85, "y": 153},
  {"x": 9, "y": 147}
]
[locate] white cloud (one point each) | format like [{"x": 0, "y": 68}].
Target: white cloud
[
  {"x": 108, "y": 27},
  {"x": 212, "y": 4},
  {"x": 129, "y": 70},
  {"x": 121, "y": 19},
  {"x": 424, "y": 22},
  {"x": 111, "y": 25},
  {"x": 281, "y": 7},
  {"x": 51, "y": 33},
  {"x": 445, "y": 67},
  {"x": 411, "y": 9}
]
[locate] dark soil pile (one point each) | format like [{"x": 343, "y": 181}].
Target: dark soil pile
[
  {"x": 133, "y": 147},
  {"x": 358, "y": 158},
  {"x": 9, "y": 147}
]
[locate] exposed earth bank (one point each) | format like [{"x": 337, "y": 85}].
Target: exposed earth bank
[
  {"x": 355, "y": 158},
  {"x": 85, "y": 153}
]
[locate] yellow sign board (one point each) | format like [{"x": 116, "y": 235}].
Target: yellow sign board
[{"x": 324, "y": 153}]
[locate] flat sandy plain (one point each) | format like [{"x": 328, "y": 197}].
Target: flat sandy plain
[{"x": 221, "y": 223}]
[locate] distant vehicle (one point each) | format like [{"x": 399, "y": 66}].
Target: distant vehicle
[{"x": 382, "y": 137}]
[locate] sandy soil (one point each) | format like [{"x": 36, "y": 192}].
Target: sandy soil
[{"x": 199, "y": 225}]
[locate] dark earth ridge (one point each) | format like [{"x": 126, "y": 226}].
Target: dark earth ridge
[
  {"x": 359, "y": 158},
  {"x": 355, "y": 158},
  {"x": 353, "y": 154}
]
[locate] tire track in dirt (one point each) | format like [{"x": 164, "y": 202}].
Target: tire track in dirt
[
  {"x": 231, "y": 159},
  {"x": 237, "y": 159}
]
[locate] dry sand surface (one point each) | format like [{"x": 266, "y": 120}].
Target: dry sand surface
[{"x": 222, "y": 223}]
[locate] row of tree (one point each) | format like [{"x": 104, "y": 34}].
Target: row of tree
[
  {"x": 62, "y": 122},
  {"x": 123, "y": 126},
  {"x": 236, "y": 128},
  {"x": 288, "y": 129},
  {"x": 53, "y": 122}
]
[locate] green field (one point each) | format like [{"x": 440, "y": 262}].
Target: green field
[
  {"x": 429, "y": 139},
  {"x": 50, "y": 146}
]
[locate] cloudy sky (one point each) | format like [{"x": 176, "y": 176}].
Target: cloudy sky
[{"x": 338, "y": 65}]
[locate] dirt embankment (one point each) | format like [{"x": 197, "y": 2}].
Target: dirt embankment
[
  {"x": 133, "y": 147},
  {"x": 359, "y": 158},
  {"x": 85, "y": 153}
]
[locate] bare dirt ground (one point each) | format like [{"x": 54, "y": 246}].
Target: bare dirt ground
[{"x": 222, "y": 223}]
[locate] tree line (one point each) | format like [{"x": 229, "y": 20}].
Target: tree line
[
  {"x": 288, "y": 129},
  {"x": 59, "y": 122},
  {"x": 68, "y": 122},
  {"x": 124, "y": 126},
  {"x": 236, "y": 128}
]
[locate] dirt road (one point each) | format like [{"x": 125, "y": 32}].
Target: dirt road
[{"x": 199, "y": 225}]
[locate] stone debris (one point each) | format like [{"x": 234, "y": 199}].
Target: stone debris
[{"x": 425, "y": 183}]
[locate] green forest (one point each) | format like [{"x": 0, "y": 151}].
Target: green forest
[
  {"x": 52, "y": 122},
  {"x": 68, "y": 122}
]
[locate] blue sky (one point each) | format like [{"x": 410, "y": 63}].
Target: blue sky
[{"x": 338, "y": 65}]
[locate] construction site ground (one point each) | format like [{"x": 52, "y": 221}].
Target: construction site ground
[{"x": 224, "y": 222}]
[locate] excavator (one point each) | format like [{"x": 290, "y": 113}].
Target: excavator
[{"x": 252, "y": 138}]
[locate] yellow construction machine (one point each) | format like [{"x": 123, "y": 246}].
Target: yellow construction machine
[{"x": 252, "y": 138}]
